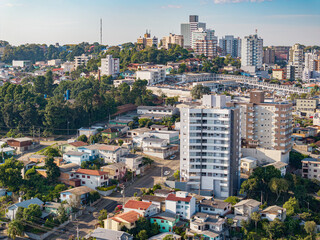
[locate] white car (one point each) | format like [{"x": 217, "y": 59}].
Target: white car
[{"x": 166, "y": 173}]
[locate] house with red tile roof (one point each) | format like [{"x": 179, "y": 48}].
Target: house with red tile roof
[
  {"x": 71, "y": 146},
  {"x": 91, "y": 178},
  {"x": 181, "y": 203},
  {"x": 126, "y": 219},
  {"x": 145, "y": 209}
]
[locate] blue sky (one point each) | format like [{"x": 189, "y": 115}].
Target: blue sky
[{"x": 279, "y": 22}]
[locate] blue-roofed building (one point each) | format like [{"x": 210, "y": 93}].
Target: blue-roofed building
[{"x": 12, "y": 210}]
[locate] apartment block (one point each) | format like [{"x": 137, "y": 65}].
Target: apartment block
[
  {"x": 311, "y": 168},
  {"x": 147, "y": 40},
  {"x": 210, "y": 146},
  {"x": 172, "y": 39},
  {"x": 110, "y": 66},
  {"x": 188, "y": 28},
  {"x": 252, "y": 51},
  {"x": 306, "y": 107},
  {"x": 269, "y": 55},
  {"x": 230, "y": 46},
  {"x": 265, "y": 124},
  {"x": 296, "y": 62},
  {"x": 81, "y": 60},
  {"x": 152, "y": 75}
]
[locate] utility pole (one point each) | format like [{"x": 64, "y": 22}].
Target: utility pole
[{"x": 68, "y": 127}]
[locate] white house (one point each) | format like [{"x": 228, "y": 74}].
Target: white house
[
  {"x": 92, "y": 178},
  {"x": 111, "y": 153},
  {"x": 12, "y": 210},
  {"x": 159, "y": 110},
  {"x": 76, "y": 157},
  {"x": 157, "y": 147},
  {"x": 76, "y": 196},
  {"x": 246, "y": 207},
  {"x": 181, "y": 203},
  {"x": 146, "y": 209},
  {"x": 281, "y": 166},
  {"x": 133, "y": 162},
  {"x": 273, "y": 212},
  {"x": 87, "y": 131},
  {"x": 214, "y": 206},
  {"x": 92, "y": 150},
  {"x": 153, "y": 76}
]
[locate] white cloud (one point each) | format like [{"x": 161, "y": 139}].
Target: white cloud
[
  {"x": 172, "y": 6},
  {"x": 238, "y": 1}
]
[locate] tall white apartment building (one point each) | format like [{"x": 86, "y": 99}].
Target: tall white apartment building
[
  {"x": 295, "y": 63},
  {"x": 210, "y": 146},
  {"x": 230, "y": 45},
  {"x": 252, "y": 51},
  {"x": 202, "y": 34},
  {"x": 188, "y": 28},
  {"x": 110, "y": 66}
]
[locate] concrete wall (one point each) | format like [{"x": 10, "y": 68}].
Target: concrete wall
[{"x": 265, "y": 155}]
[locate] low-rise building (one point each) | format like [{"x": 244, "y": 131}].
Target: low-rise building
[
  {"x": 21, "y": 144},
  {"x": 133, "y": 162},
  {"x": 21, "y": 63},
  {"x": 76, "y": 157},
  {"x": 53, "y": 208},
  {"x": 153, "y": 76},
  {"x": 306, "y": 107},
  {"x": 72, "y": 146},
  {"x": 281, "y": 166},
  {"x": 145, "y": 209},
  {"x": 76, "y": 196},
  {"x": 115, "y": 171},
  {"x": 160, "y": 110},
  {"x": 165, "y": 220},
  {"x": 279, "y": 74},
  {"x": 67, "y": 173},
  {"x": 92, "y": 178},
  {"x": 214, "y": 206},
  {"x": 158, "y": 201},
  {"x": 126, "y": 219},
  {"x": 92, "y": 150},
  {"x": 311, "y": 168},
  {"x": 108, "y": 234},
  {"x": 273, "y": 212},
  {"x": 181, "y": 203},
  {"x": 248, "y": 164},
  {"x": 12, "y": 210},
  {"x": 246, "y": 207},
  {"x": 157, "y": 147},
  {"x": 165, "y": 235}
]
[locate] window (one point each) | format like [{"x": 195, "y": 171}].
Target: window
[
  {"x": 88, "y": 176},
  {"x": 83, "y": 176},
  {"x": 83, "y": 182},
  {"x": 162, "y": 221}
]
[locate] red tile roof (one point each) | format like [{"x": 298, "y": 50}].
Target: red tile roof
[
  {"x": 91, "y": 172},
  {"x": 78, "y": 144},
  {"x": 172, "y": 197},
  {"x": 137, "y": 205},
  {"x": 131, "y": 217}
]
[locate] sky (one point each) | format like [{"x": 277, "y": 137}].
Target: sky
[{"x": 278, "y": 22}]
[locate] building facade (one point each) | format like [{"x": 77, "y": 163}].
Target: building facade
[
  {"x": 311, "y": 168},
  {"x": 295, "y": 63},
  {"x": 230, "y": 46},
  {"x": 188, "y": 28},
  {"x": 252, "y": 51},
  {"x": 147, "y": 40},
  {"x": 110, "y": 66},
  {"x": 269, "y": 55},
  {"x": 81, "y": 60},
  {"x": 210, "y": 146},
  {"x": 172, "y": 39}
]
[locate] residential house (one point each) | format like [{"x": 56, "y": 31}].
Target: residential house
[
  {"x": 126, "y": 219},
  {"x": 133, "y": 162},
  {"x": 76, "y": 196},
  {"x": 115, "y": 171},
  {"x": 281, "y": 166},
  {"x": 111, "y": 153},
  {"x": 145, "y": 209},
  {"x": 110, "y": 133},
  {"x": 21, "y": 144},
  {"x": 155, "y": 127},
  {"x": 172, "y": 137},
  {"x": 137, "y": 132},
  {"x": 37, "y": 158},
  {"x": 162, "y": 192},
  {"x": 76, "y": 157},
  {"x": 248, "y": 164},
  {"x": 157, "y": 110},
  {"x": 158, "y": 201},
  {"x": 181, "y": 204},
  {"x": 67, "y": 173},
  {"x": 165, "y": 220},
  {"x": 214, "y": 206},
  {"x": 12, "y": 210},
  {"x": 311, "y": 168},
  {"x": 210, "y": 226},
  {"x": 246, "y": 207},
  {"x": 72, "y": 147},
  {"x": 273, "y": 212},
  {"x": 9, "y": 151},
  {"x": 87, "y": 131},
  {"x": 92, "y": 178},
  {"x": 107, "y": 234},
  {"x": 157, "y": 147},
  {"x": 92, "y": 150},
  {"x": 165, "y": 235},
  {"x": 52, "y": 208}
]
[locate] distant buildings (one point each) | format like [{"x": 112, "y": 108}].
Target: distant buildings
[
  {"x": 295, "y": 63},
  {"x": 172, "y": 39},
  {"x": 188, "y": 28},
  {"x": 311, "y": 66},
  {"x": 147, "y": 40},
  {"x": 54, "y": 62},
  {"x": 306, "y": 107},
  {"x": 279, "y": 74},
  {"x": 152, "y": 75},
  {"x": 204, "y": 42},
  {"x": 210, "y": 146},
  {"x": 82, "y": 60},
  {"x": 251, "y": 52},
  {"x": 230, "y": 46},
  {"x": 21, "y": 63},
  {"x": 269, "y": 55},
  {"x": 110, "y": 66},
  {"x": 311, "y": 168}
]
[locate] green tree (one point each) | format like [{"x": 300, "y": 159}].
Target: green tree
[
  {"x": 278, "y": 186},
  {"x": 176, "y": 175},
  {"x": 274, "y": 229},
  {"x": 32, "y": 213},
  {"x": 310, "y": 227},
  {"x": 103, "y": 214},
  {"x": 10, "y": 174},
  {"x": 52, "y": 152},
  {"x": 62, "y": 214},
  {"x": 53, "y": 171},
  {"x": 292, "y": 206},
  {"x": 256, "y": 217},
  {"x": 199, "y": 90},
  {"x": 15, "y": 229},
  {"x": 82, "y": 138},
  {"x": 232, "y": 199},
  {"x": 147, "y": 161},
  {"x": 143, "y": 235}
]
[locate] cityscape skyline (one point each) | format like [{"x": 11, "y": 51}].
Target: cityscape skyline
[{"x": 279, "y": 22}]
